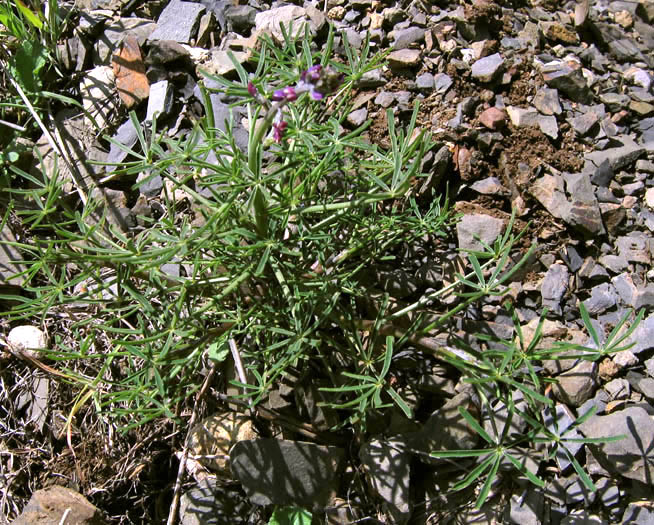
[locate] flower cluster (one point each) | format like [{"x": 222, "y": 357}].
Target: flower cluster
[{"x": 317, "y": 81}]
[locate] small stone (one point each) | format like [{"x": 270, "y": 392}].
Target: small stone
[
  {"x": 97, "y": 90},
  {"x": 28, "y": 340},
  {"x": 358, "y": 117},
  {"x": 179, "y": 22},
  {"x": 404, "y": 59},
  {"x": 161, "y": 100},
  {"x": 336, "y": 13},
  {"x": 484, "y": 227},
  {"x": 486, "y": 69},
  {"x": 425, "y": 82},
  {"x": 213, "y": 503},
  {"x": 568, "y": 80},
  {"x": 59, "y": 505},
  {"x": 547, "y": 101},
  {"x": 557, "y": 32},
  {"x": 577, "y": 384},
  {"x": 489, "y": 186},
  {"x": 642, "y": 384},
  {"x": 634, "y": 249},
  {"x": 602, "y": 297},
  {"x": 212, "y": 438},
  {"x": 403, "y": 38},
  {"x": 625, "y": 359},
  {"x": 493, "y": 118},
  {"x": 282, "y": 472},
  {"x": 270, "y": 21},
  {"x": 442, "y": 83},
  {"x": 584, "y": 123},
  {"x": 624, "y": 19},
  {"x": 554, "y": 286}
]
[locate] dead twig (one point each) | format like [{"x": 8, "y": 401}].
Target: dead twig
[{"x": 174, "y": 506}]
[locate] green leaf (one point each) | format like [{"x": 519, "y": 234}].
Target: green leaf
[
  {"x": 218, "y": 351},
  {"x": 290, "y": 516},
  {"x": 29, "y": 15}
]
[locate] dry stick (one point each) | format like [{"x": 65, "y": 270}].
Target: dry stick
[
  {"x": 239, "y": 367},
  {"x": 174, "y": 506}
]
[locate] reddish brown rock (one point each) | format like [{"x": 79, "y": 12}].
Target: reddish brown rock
[
  {"x": 493, "y": 118},
  {"x": 59, "y": 505},
  {"x": 129, "y": 69}
]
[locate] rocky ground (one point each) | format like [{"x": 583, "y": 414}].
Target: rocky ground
[{"x": 541, "y": 107}]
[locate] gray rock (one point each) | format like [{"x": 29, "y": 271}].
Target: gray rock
[
  {"x": 442, "y": 83},
  {"x": 179, "y": 22},
  {"x": 618, "y": 388},
  {"x": 625, "y": 50},
  {"x": 570, "y": 81},
  {"x": 582, "y": 518},
  {"x": 643, "y": 336},
  {"x": 619, "y": 157},
  {"x": 602, "y": 174},
  {"x": 608, "y": 492},
  {"x": 584, "y": 212},
  {"x": 638, "y": 515},
  {"x": 548, "y": 126},
  {"x": 446, "y": 429},
  {"x": 577, "y": 492},
  {"x": 403, "y": 38},
  {"x": 425, "y": 82},
  {"x": 547, "y": 101},
  {"x": 269, "y": 21},
  {"x": 240, "y": 17},
  {"x": 488, "y": 68},
  {"x": 554, "y": 286},
  {"x": 527, "y": 510},
  {"x": 490, "y": 186},
  {"x": 558, "y": 422},
  {"x": 398, "y": 283},
  {"x": 480, "y": 226},
  {"x": 149, "y": 185},
  {"x": 403, "y": 59},
  {"x": 615, "y": 263},
  {"x": 8, "y": 255},
  {"x": 584, "y": 123},
  {"x": 576, "y": 385},
  {"x": 357, "y": 117},
  {"x": 642, "y": 384},
  {"x": 632, "y": 457},
  {"x": 614, "y": 101},
  {"x": 635, "y": 249},
  {"x": 388, "y": 467},
  {"x": 281, "y": 472},
  {"x": 602, "y": 297},
  {"x": 160, "y": 101},
  {"x": 211, "y": 503}
]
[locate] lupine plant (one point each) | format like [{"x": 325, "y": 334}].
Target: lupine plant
[{"x": 262, "y": 251}]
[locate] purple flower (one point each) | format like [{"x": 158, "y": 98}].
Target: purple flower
[
  {"x": 252, "y": 90},
  {"x": 288, "y": 94},
  {"x": 311, "y": 75},
  {"x": 319, "y": 81},
  {"x": 278, "y": 130}
]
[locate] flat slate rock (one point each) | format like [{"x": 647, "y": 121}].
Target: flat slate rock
[
  {"x": 631, "y": 457},
  {"x": 281, "y": 472},
  {"x": 178, "y": 22}
]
